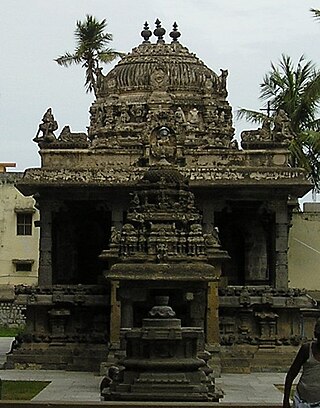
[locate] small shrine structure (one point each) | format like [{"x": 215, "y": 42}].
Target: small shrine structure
[
  {"x": 159, "y": 183},
  {"x": 161, "y": 360}
]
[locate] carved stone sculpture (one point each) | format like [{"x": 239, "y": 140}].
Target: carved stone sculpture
[{"x": 47, "y": 127}]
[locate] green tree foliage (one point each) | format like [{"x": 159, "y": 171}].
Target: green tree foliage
[
  {"x": 91, "y": 49},
  {"x": 296, "y": 90}
]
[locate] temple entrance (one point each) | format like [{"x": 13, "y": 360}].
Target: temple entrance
[
  {"x": 246, "y": 231},
  {"x": 79, "y": 233}
]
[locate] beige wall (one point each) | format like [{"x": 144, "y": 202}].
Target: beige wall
[
  {"x": 15, "y": 247},
  {"x": 304, "y": 248}
]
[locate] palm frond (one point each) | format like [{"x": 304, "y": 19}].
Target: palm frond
[
  {"x": 314, "y": 125},
  {"x": 316, "y": 13},
  {"x": 250, "y": 115},
  {"x": 91, "y": 33},
  {"x": 298, "y": 157},
  {"x": 68, "y": 59},
  {"x": 108, "y": 55}
]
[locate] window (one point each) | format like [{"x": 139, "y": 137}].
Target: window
[
  {"x": 23, "y": 265},
  {"x": 24, "y": 223}
]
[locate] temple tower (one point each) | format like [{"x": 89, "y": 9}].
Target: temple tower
[{"x": 161, "y": 104}]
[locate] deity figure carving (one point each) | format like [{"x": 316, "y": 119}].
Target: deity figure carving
[
  {"x": 124, "y": 115},
  {"x": 101, "y": 117},
  {"x": 115, "y": 236},
  {"x": 129, "y": 240},
  {"x": 209, "y": 82},
  {"x": 163, "y": 144},
  {"x": 162, "y": 252},
  {"x": 138, "y": 113},
  {"x": 135, "y": 202},
  {"x": 222, "y": 82},
  {"x": 193, "y": 117},
  {"x": 47, "y": 127},
  {"x": 109, "y": 118},
  {"x": 212, "y": 240},
  {"x": 212, "y": 118},
  {"x": 180, "y": 117},
  {"x": 99, "y": 87},
  {"x": 196, "y": 240},
  {"x": 282, "y": 126}
]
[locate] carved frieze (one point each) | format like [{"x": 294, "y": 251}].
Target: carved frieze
[
  {"x": 120, "y": 173},
  {"x": 275, "y": 132}
]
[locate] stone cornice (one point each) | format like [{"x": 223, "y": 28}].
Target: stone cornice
[{"x": 202, "y": 175}]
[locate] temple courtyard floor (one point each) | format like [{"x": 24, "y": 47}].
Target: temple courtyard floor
[{"x": 255, "y": 388}]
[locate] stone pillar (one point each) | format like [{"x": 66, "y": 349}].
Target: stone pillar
[
  {"x": 208, "y": 216},
  {"x": 117, "y": 218},
  {"x": 45, "y": 261},
  {"x": 126, "y": 313},
  {"x": 212, "y": 335},
  {"x": 115, "y": 317},
  {"x": 281, "y": 247}
]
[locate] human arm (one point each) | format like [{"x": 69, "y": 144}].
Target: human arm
[{"x": 293, "y": 371}]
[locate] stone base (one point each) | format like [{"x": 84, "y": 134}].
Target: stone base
[
  {"x": 169, "y": 386},
  {"x": 245, "y": 359},
  {"x": 62, "y": 356}
]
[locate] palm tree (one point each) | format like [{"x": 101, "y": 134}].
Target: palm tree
[
  {"x": 91, "y": 49},
  {"x": 296, "y": 90}
]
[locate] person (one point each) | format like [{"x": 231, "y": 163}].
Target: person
[{"x": 307, "y": 394}]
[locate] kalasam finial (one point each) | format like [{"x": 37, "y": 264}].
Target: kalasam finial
[
  {"x": 175, "y": 34},
  {"x": 159, "y": 31},
  {"x": 146, "y": 33}
]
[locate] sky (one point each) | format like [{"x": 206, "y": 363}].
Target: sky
[{"x": 241, "y": 36}]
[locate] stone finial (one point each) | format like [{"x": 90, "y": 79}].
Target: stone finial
[
  {"x": 159, "y": 31},
  {"x": 175, "y": 34},
  {"x": 146, "y": 33}
]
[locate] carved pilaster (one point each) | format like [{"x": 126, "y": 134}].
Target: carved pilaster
[
  {"x": 45, "y": 261},
  {"x": 213, "y": 336},
  {"x": 115, "y": 314},
  {"x": 281, "y": 247}
]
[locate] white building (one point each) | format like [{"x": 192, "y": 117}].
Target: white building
[
  {"x": 304, "y": 248},
  {"x": 19, "y": 237}
]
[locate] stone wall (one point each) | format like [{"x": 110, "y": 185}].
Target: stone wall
[{"x": 12, "y": 315}]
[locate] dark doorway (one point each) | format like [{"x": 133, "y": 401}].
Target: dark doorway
[
  {"x": 80, "y": 231},
  {"x": 246, "y": 231}
]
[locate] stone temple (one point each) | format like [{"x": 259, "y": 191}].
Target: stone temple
[{"x": 158, "y": 199}]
